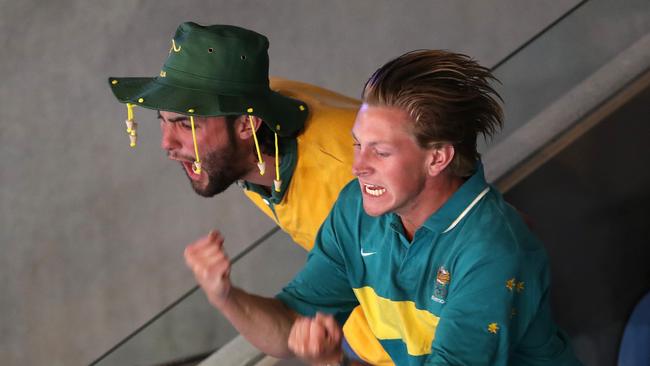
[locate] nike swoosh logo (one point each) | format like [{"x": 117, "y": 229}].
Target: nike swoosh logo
[{"x": 365, "y": 254}]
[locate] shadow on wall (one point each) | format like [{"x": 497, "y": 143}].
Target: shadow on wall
[{"x": 589, "y": 204}]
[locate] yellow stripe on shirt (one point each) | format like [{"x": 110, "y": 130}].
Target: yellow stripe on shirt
[{"x": 390, "y": 319}]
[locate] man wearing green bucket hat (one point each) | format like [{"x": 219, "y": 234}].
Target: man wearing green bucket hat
[
  {"x": 287, "y": 143},
  {"x": 225, "y": 123}
]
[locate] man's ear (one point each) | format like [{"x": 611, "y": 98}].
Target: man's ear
[
  {"x": 439, "y": 158},
  {"x": 243, "y": 127}
]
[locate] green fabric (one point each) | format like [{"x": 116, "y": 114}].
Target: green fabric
[
  {"x": 213, "y": 71},
  {"x": 486, "y": 248}
]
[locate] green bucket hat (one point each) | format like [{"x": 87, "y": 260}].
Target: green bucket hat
[{"x": 214, "y": 71}]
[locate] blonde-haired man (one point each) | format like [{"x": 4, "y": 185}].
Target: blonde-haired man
[{"x": 419, "y": 247}]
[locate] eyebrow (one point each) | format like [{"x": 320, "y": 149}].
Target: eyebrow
[
  {"x": 175, "y": 119},
  {"x": 372, "y": 143}
]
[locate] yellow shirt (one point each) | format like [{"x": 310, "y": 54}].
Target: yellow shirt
[{"x": 323, "y": 163}]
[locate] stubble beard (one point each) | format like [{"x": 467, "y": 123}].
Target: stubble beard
[{"x": 223, "y": 168}]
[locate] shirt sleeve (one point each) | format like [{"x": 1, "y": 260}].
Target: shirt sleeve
[
  {"x": 322, "y": 285},
  {"x": 490, "y": 303}
]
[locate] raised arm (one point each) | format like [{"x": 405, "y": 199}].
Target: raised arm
[{"x": 265, "y": 322}]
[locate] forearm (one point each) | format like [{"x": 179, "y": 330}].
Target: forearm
[{"x": 265, "y": 322}]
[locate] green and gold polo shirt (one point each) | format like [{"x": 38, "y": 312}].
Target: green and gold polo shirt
[{"x": 471, "y": 288}]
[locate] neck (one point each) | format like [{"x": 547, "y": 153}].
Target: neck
[
  {"x": 434, "y": 195},
  {"x": 253, "y": 174}
]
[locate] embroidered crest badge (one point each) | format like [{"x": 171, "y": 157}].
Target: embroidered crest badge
[{"x": 440, "y": 285}]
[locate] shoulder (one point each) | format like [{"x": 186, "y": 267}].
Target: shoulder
[
  {"x": 496, "y": 232},
  {"x": 331, "y": 115},
  {"x": 313, "y": 95},
  {"x": 326, "y": 136}
]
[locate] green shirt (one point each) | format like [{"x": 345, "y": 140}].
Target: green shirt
[{"x": 471, "y": 288}]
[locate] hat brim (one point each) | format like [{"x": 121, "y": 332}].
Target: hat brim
[{"x": 282, "y": 114}]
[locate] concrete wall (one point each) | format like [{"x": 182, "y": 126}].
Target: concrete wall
[{"x": 92, "y": 232}]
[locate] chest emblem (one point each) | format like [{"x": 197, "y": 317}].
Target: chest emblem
[{"x": 441, "y": 285}]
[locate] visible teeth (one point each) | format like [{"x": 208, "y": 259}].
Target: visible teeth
[{"x": 374, "y": 190}]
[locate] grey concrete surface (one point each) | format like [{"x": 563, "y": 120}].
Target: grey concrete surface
[
  {"x": 193, "y": 327},
  {"x": 92, "y": 232},
  {"x": 563, "y": 113},
  {"x": 566, "y": 55}
]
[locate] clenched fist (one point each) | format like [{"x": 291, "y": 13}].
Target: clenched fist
[
  {"x": 316, "y": 340},
  {"x": 211, "y": 266}
]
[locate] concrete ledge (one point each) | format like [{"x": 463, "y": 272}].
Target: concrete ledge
[
  {"x": 237, "y": 352},
  {"x": 566, "y": 119}
]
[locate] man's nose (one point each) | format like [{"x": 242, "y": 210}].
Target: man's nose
[
  {"x": 360, "y": 168},
  {"x": 168, "y": 140}
]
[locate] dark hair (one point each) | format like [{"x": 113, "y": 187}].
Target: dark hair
[
  {"x": 265, "y": 137},
  {"x": 448, "y": 97}
]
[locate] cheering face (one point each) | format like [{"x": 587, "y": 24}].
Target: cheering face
[
  {"x": 222, "y": 160},
  {"x": 390, "y": 165}
]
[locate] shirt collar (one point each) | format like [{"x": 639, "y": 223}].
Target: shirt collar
[
  {"x": 289, "y": 152},
  {"x": 459, "y": 204}
]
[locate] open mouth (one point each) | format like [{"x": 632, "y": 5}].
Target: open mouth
[
  {"x": 190, "y": 172},
  {"x": 373, "y": 190}
]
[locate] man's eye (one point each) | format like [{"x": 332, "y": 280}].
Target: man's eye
[
  {"x": 382, "y": 154},
  {"x": 186, "y": 125},
  {"x": 356, "y": 145}
]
